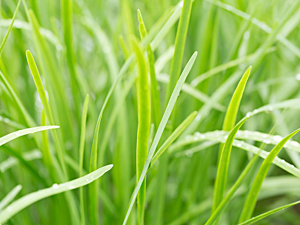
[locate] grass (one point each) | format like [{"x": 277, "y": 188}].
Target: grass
[{"x": 192, "y": 102}]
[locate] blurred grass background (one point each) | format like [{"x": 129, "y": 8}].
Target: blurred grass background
[{"x": 85, "y": 58}]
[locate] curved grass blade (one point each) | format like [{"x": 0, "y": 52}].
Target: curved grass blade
[
  {"x": 234, "y": 104},
  {"x": 10, "y": 196},
  {"x": 144, "y": 122},
  {"x": 269, "y": 213},
  {"x": 261, "y": 175},
  {"x": 31, "y": 198},
  {"x": 176, "y": 133},
  {"x": 160, "y": 130},
  {"x": 9, "y": 28},
  {"x": 42, "y": 94},
  {"x": 225, "y": 151},
  {"x": 20, "y": 133}
]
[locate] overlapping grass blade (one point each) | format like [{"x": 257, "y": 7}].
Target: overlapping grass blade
[
  {"x": 81, "y": 153},
  {"x": 144, "y": 121},
  {"x": 225, "y": 151},
  {"x": 43, "y": 96},
  {"x": 269, "y": 213},
  {"x": 160, "y": 130},
  {"x": 10, "y": 196},
  {"x": 176, "y": 133},
  {"x": 29, "y": 199},
  {"x": 261, "y": 175},
  {"x": 155, "y": 96},
  {"x": 179, "y": 45}
]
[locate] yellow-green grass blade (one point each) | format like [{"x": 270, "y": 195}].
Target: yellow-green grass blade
[
  {"x": 44, "y": 100},
  {"x": 155, "y": 96},
  {"x": 144, "y": 122}
]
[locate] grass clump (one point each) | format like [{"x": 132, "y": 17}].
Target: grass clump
[{"x": 189, "y": 117}]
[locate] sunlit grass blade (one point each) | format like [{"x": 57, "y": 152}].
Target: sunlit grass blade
[
  {"x": 20, "y": 133},
  {"x": 29, "y": 199},
  {"x": 234, "y": 104},
  {"x": 10, "y": 196},
  {"x": 160, "y": 130},
  {"x": 44, "y": 100},
  {"x": 176, "y": 133},
  {"x": 269, "y": 213},
  {"x": 9, "y": 28},
  {"x": 155, "y": 96},
  {"x": 261, "y": 175},
  {"x": 144, "y": 122},
  {"x": 225, "y": 151}
]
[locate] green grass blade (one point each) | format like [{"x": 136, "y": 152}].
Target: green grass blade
[
  {"x": 225, "y": 151},
  {"x": 43, "y": 96},
  {"x": 269, "y": 213},
  {"x": 176, "y": 133},
  {"x": 160, "y": 130},
  {"x": 29, "y": 199},
  {"x": 10, "y": 196},
  {"x": 47, "y": 157},
  {"x": 220, "y": 183},
  {"x": 144, "y": 122},
  {"x": 261, "y": 175},
  {"x": 217, "y": 212},
  {"x": 9, "y": 28},
  {"x": 155, "y": 97},
  {"x": 234, "y": 104},
  {"x": 179, "y": 45},
  {"x": 81, "y": 153},
  {"x": 20, "y": 133}
]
